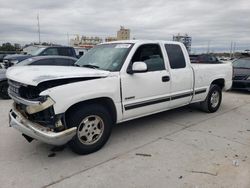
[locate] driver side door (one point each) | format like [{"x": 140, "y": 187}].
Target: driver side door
[{"x": 146, "y": 92}]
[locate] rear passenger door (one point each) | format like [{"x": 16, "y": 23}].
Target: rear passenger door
[{"x": 181, "y": 76}]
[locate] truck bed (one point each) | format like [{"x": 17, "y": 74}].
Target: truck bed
[{"x": 205, "y": 73}]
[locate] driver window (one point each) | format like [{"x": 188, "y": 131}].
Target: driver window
[{"x": 151, "y": 55}]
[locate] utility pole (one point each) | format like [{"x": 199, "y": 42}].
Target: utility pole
[
  {"x": 234, "y": 47},
  {"x": 68, "y": 38},
  {"x": 208, "y": 47},
  {"x": 38, "y": 25},
  {"x": 231, "y": 49}
]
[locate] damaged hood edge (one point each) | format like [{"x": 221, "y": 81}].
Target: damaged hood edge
[{"x": 34, "y": 75}]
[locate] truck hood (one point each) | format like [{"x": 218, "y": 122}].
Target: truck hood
[{"x": 34, "y": 75}]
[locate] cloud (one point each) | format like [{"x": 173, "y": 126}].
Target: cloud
[{"x": 216, "y": 22}]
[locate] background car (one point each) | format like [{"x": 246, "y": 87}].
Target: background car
[
  {"x": 3, "y": 54},
  {"x": 49, "y": 60},
  {"x": 241, "y": 74},
  {"x": 40, "y": 51},
  {"x": 39, "y": 60}
]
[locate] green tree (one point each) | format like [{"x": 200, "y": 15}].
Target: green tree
[{"x": 7, "y": 47}]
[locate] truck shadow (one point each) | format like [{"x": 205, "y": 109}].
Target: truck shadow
[
  {"x": 134, "y": 133},
  {"x": 128, "y": 135},
  {"x": 240, "y": 92}
]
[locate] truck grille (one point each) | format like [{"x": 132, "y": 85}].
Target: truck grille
[
  {"x": 23, "y": 91},
  {"x": 14, "y": 87}
]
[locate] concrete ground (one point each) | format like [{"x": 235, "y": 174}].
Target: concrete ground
[{"x": 179, "y": 148}]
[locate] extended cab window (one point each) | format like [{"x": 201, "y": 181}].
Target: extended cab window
[
  {"x": 175, "y": 56},
  {"x": 151, "y": 55}
]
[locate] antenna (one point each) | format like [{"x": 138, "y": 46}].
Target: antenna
[
  {"x": 38, "y": 25},
  {"x": 68, "y": 38},
  {"x": 234, "y": 48},
  {"x": 231, "y": 49},
  {"x": 208, "y": 47}
]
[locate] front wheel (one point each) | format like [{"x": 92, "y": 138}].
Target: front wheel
[
  {"x": 94, "y": 125},
  {"x": 213, "y": 100}
]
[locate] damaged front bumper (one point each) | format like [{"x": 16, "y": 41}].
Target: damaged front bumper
[{"x": 37, "y": 131}]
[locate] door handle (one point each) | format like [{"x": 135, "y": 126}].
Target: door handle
[{"x": 165, "y": 78}]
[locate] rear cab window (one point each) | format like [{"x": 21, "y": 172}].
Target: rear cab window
[{"x": 175, "y": 56}]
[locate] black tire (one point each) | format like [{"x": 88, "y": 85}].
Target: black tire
[
  {"x": 4, "y": 90},
  {"x": 207, "y": 105},
  {"x": 76, "y": 117}
]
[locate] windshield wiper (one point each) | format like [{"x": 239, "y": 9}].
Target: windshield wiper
[
  {"x": 91, "y": 66},
  {"x": 76, "y": 65}
]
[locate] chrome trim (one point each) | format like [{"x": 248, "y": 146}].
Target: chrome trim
[
  {"x": 23, "y": 101},
  {"x": 36, "y": 131}
]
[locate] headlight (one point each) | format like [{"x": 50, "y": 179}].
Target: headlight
[
  {"x": 40, "y": 107},
  {"x": 14, "y": 61}
]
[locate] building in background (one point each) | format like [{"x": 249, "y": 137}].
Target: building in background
[
  {"x": 110, "y": 39},
  {"x": 123, "y": 34},
  {"x": 85, "y": 42},
  {"x": 185, "y": 39},
  {"x": 89, "y": 42}
]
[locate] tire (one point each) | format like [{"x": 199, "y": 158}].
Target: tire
[
  {"x": 213, "y": 100},
  {"x": 90, "y": 136},
  {"x": 4, "y": 90}
]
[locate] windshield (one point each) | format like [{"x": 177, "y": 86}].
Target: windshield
[
  {"x": 105, "y": 56},
  {"x": 242, "y": 63},
  {"x": 36, "y": 52}
]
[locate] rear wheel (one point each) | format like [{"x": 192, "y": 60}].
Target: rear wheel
[
  {"x": 4, "y": 90},
  {"x": 213, "y": 100},
  {"x": 94, "y": 125}
]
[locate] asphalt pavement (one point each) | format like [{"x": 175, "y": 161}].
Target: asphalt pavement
[{"x": 179, "y": 148}]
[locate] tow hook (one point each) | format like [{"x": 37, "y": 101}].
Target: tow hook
[{"x": 28, "y": 138}]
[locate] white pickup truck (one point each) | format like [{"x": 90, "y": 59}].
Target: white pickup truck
[{"x": 112, "y": 83}]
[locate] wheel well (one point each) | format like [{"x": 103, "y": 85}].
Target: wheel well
[
  {"x": 3, "y": 81},
  {"x": 105, "y": 101},
  {"x": 220, "y": 82}
]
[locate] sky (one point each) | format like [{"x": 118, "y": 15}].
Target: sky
[{"x": 213, "y": 23}]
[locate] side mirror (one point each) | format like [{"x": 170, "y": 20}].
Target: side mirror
[{"x": 138, "y": 67}]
